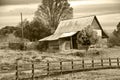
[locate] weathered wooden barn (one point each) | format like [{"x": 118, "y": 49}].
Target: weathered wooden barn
[{"x": 64, "y": 38}]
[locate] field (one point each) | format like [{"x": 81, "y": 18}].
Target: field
[
  {"x": 8, "y": 57},
  {"x": 110, "y": 74}
]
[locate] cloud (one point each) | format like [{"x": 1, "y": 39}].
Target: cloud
[
  {"x": 96, "y": 9},
  {"x": 11, "y": 9},
  {"x": 91, "y": 2},
  {"x": 13, "y": 20},
  {"x": 16, "y": 2},
  {"x": 73, "y": 2}
]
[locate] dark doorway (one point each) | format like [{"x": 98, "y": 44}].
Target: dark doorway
[{"x": 74, "y": 38}]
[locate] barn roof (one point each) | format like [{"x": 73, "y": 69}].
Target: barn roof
[
  {"x": 71, "y": 25},
  {"x": 57, "y": 36},
  {"x": 76, "y": 24}
]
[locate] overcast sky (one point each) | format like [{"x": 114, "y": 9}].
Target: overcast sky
[{"x": 107, "y": 11}]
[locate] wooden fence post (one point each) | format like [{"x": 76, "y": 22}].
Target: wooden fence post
[
  {"x": 33, "y": 70},
  {"x": 92, "y": 63},
  {"x": 118, "y": 63},
  {"x": 17, "y": 72},
  {"x": 72, "y": 65},
  {"x": 61, "y": 67},
  {"x": 48, "y": 68},
  {"x": 101, "y": 62},
  {"x": 110, "y": 62},
  {"x": 83, "y": 63}
]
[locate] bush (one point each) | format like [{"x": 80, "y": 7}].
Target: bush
[
  {"x": 95, "y": 52},
  {"x": 110, "y": 45},
  {"x": 16, "y": 46},
  {"x": 32, "y": 45},
  {"x": 79, "y": 53},
  {"x": 7, "y": 66},
  {"x": 42, "y": 46}
]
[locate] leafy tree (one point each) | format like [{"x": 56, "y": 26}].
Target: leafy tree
[
  {"x": 117, "y": 31},
  {"x": 7, "y": 30},
  {"x": 46, "y": 20},
  {"x": 33, "y": 30},
  {"x": 51, "y": 12},
  {"x": 114, "y": 38},
  {"x": 38, "y": 30},
  {"x": 87, "y": 37}
]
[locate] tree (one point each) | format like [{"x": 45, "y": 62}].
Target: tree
[
  {"x": 87, "y": 37},
  {"x": 7, "y": 30},
  {"x": 25, "y": 25},
  {"x": 38, "y": 30},
  {"x": 33, "y": 30},
  {"x": 114, "y": 38},
  {"x": 51, "y": 12}
]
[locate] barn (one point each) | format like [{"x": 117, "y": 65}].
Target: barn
[{"x": 64, "y": 38}]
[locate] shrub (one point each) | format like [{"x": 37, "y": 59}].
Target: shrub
[
  {"x": 79, "y": 53},
  {"x": 31, "y": 45},
  {"x": 42, "y": 46},
  {"x": 95, "y": 52}
]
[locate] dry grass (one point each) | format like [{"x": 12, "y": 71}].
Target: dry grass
[
  {"x": 8, "y": 57},
  {"x": 110, "y": 74}
]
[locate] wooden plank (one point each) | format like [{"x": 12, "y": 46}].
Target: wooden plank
[
  {"x": 17, "y": 72},
  {"x": 102, "y": 62},
  {"x": 92, "y": 63},
  {"x": 110, "y": 62},
  {"x": 72, "y": 65},
  {"x": 32, "y": 70},
  {"x": 83, "y": 64},
  {"x": 118, "y": 63},
  {"x": 61, "y": 67},
  {"x": 48, "y": 68}
]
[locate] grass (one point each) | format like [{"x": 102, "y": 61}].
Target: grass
[
  {"x": 8, "y": 57},
  {"x": 110, "y": 74}
]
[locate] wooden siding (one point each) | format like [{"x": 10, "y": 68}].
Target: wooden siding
[
  {"x": 53, "y": 45},
  {"x": 64, "y": 44},
  {"x": 95, "y": 25}
]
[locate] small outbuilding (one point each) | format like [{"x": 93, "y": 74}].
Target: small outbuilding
[{"x": 65, "y": 36}]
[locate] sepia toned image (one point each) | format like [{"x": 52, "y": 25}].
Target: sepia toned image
[{"x": 59, "y": 39}]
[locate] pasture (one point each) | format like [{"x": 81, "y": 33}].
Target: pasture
[{"x": 8, "y": 57}]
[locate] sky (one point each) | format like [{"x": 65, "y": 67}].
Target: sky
[{"x": 107, "y": 11}]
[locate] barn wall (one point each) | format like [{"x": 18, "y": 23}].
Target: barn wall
[
  {"x": 64, "y": 44},
  {"x": 53, "y": 45},
  {"x": 102, "y": 41},
  {"x": 96, "y": 28},
  {"x": 95, "y": 25}
]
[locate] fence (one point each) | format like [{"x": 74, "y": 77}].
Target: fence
[{"x": 51, "y": 68}]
